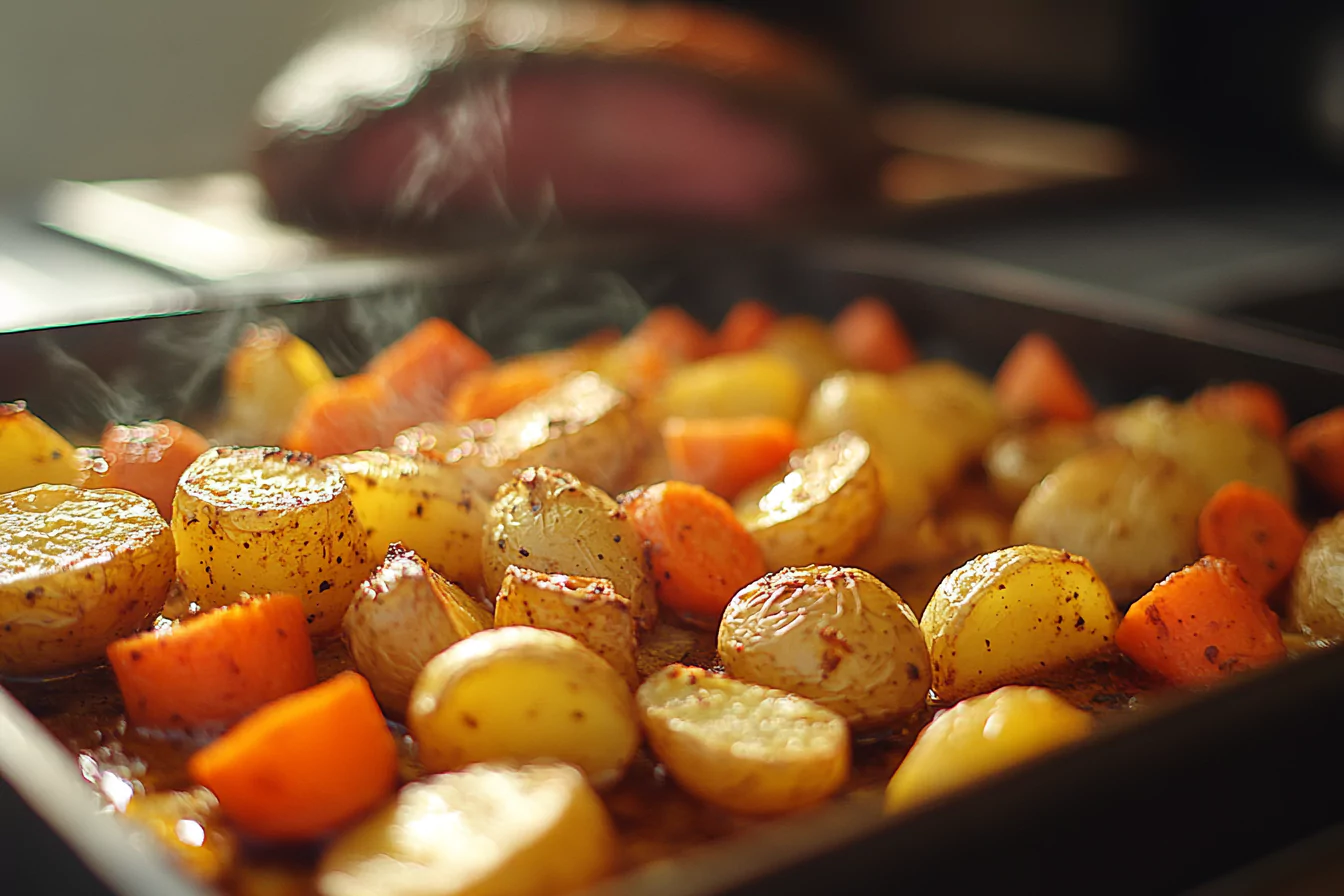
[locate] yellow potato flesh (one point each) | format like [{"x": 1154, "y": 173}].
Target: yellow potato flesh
[
  {"x": 752, "y": 384},
  {"x": 265, "y": 379},
  {"x": 32, "y": 453}
]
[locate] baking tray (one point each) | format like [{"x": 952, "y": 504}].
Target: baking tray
[{"x": 1185, "y": 792}]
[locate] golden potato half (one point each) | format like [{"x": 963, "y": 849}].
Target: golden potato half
[
  {"x": 31, "y": 452},
  {"x": 1316, "y": 601},
  {"x": 78, "y": 570},
  {"x": 954, "y": 400},
  {"x": 254, "y": 520},
  {"x": 749, "y": 384},
  {"x": 524, "y": 694},
  {"x": 741, "y": 746},
  {"x": 821, "y": 510},
  {"x": 488, "y": 830},
  {"x": 425, "y": 505},
  {"x": 838, "y": 636},
  {"x": 266, "y": 377},
  {"x": 403, "y": 616},
  {"x": 548, "y": 520},
  {"x": 1012, "y": 614}
]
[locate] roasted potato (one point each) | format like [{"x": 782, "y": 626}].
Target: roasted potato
[
  {"x": 1133, "y": 515},
  {"x": 488, "y": 830},
  {"x": 955, "y": 401},
  {"x": 265, "y": 519},
  {"x": 805, "y": 343},
  {"x": 587, "y": 609},
  {"x": 821, "y": 510},
  {"x": 524, "y": 694},
  {"x": 403, "y": 616},
  {"x": 421, "y": 503},
  {"x": 742, "y": 746},
  {"x": 548, "y": 520},
  {"x": 981, "y": 736},
  {"x": 78, "y": 570},
  {"x": 1214, "y": 450},
  {"x": 1316, "y": 598},
  {"x": 266, "y": 377},
  {"x": 1018, "y": 459},
  {"x": 31, "y": 452},
  {"x": 1008, "y": 616},
  {"x": 751, "y": 384},
  {"x": 838, "y": 636}
]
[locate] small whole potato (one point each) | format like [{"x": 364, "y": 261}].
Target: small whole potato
[
  {"x": 1018, "y": 459},
  {"x": 1316, "y": 600},
  {"x": 835, "y": 635},
  {"x": 956, "y": 400},
  {"x": 1133, "y": 515},
  {"x": 548, "y": 520}
]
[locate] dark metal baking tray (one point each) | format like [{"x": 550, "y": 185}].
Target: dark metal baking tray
[{"x": 1179, "y": 795}]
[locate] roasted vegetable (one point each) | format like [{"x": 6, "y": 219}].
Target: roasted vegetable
[
  {"x": 725, "y": 455},
  {"x": 32, "y": 453},
  {"x": 1037, "y": 382},
  {"x": 268, "y": 375},
  {"x": 148, "y": 458},
  {"x": 1316, "y": 601},
  {"x": 1018, "y": 459},
  {"x": 747, "y": 384}
]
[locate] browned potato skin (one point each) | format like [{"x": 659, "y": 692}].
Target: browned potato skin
[
  {"x": 1316, "y": 598},
  {"x": 1018, "y": 459}
]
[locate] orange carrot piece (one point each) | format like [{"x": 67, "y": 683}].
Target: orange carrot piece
[
  {"x": 1256, "y": 531},
  {"x": 745, "y": 326},
  {"x": 726, "y": 455},
  {"x": 489, "y": 392},
  {"x": 700, "y": 554},
  {"x": 870, "y": 336},
  {"x": 1036, "y": 381},
  {"x": 1201, "y": 624},
  {"x": 215, "y": 668},
  {"x": 422, "y": 367},
  {"x": 344, "y": 415},
  {"x": 303, "y": 765},
  {"x": 1317, "y": 446},
  {"x": 148, "y": 458},
  {"x": 674, "y": 334},
  {"x": 1254, "y": 404}
]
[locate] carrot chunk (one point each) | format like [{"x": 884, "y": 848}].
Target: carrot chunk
[
  {"x": 700, "y": 554},
  {"x": 1036, "y": 381},
  {"x": 674, "y": 334},
  {"x": 217, "y": 667},
  {"x": 745, "y": 326},
  {"x": 725, "y": 455},
  {"x": 870, "y": 336},
  {"x": 490, "y": 391},
  {"x": 148, "y": 459},
  {"x": 422, "y": 367},
  {"x": 1256, "y": 531},
  {"x": 345, "y": 415},
  {"x": 1201, "y": 624},
  {"x": 303, "y": 765},
  {"x": 1317, "y": 446},
  {"x": 1254, "y": 404}
]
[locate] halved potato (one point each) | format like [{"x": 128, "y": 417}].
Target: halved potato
[
  {"x": 31, "y": 452},
  {"x": 403, "y": 616},
  {"x": 1133, "y": 515},
  {"x": 981, "y": 736},
  {"x": 1316, "y": 598},
  {"x": 587, "y": 609},
  {"x": 838, "y": 636},
  {"x": 548, "y": 520},
  {"x": 1010, "y": 615},
  {"x": 954, "y": 400},
  {"x": 742, "y": 746},
  {"x": 750, "y": 384},
  {"x": 78, "y": 570},
  {"x": 524, "y": 694},
  {"x": 1018, "y": 459},
  {"x": 806, "y": 343},
  {"x": 425, "y": 505},
  {"x": 488, "y": 830},
  {"x": 266, "y": 519},
  {"x": 821, "y": 510},
  {"x": 267, "y": 375}
]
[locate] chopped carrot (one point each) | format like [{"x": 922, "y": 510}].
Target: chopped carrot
[
  {"x": 745, "y": 326},
  {"x": 1201, "y": 624},
  {"x": 870, "y": 336},
  {"x": 1256, "y": 531},
  {"x": 728, "y": 454},
  {"x": 490, "y": 391},
  {"x": 1317, "y": 446},
  {"x": 349, "y": 414},
  {"x": 1036, "y": 381},
  {"x": 422, "y": 367},
  {"x": 674, "y": 334},
  {"x": 148, "y": 459},
  {"x": 217, "y": 667},
  {"x": 597, "y": 340},
  {"x": 303, "y": 765},
  {"x": 1254, "y": 404},
  {"x": 700, "y": 554}
]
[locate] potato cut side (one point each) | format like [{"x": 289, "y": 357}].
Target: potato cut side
[
  {"x": 78, "y": 570},
  {"x": 488, "y": 830},
  {"x": 741, "y": 746},
  {"x": 403, "y": 616},
  {"x": 587, "y": 609},
  {"x": 1012, "y": 614},
  {"x": 750, "y": 384},
  {"x": 524, "y": 694},
  {"x": 31, "y": 452},
  {"x": 423, "y": 504},
  {"x": 265, "y": 519},
  {"x": 266, "y": 377},
  {"x": 821, "y": 511}
]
